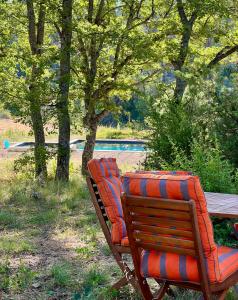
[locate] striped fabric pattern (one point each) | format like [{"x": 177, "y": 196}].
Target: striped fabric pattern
[
  {"x": 106, "y": 174},
  {"x": 180, "y": 187},
  {"x": 176, "y": 267},
  {"x": 169, "y": 266},
  {"x": 165, "y": 172},
  {"x": 228, "y": 261}
]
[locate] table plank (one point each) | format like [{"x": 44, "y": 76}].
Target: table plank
[{"x": 222, "y": 205}]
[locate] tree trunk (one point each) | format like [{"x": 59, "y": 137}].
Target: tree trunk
[
  {"x": 62, "y": 171},
  {"x": 91, "y": 126},
  {"x": 39, "y": 150},
  {"x": 179, "y": 89},
  {"x": 36, "y": 41}
]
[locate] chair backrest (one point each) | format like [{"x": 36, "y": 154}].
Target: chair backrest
[
  {"x": 165, "y": 226},
  {"x": 106, "y": 175},
  {"x": 175, "y": 188}
]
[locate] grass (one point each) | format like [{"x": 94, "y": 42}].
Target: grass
[
  {"x": 51, "y": 245},
  {"x": 119, "y": 133}
]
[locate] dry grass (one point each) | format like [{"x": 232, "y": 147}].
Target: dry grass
[{"x": 51, "y": 245}]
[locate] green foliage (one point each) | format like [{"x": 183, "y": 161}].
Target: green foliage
[
  {"x": 22, "y": 278},
  {"x": 61, "y": 274},
  {"x": 12, "y": 245},
  {"x": 222, "y": 232},
  {"x": 8, "y": 219},
  {"x": 118, "y": 133},
  {"x": 170, "y": 128},
  {"x": 206, "y": 161},
  {"x": 94, "y": 279},
  {"x": 17, "y": 281}
]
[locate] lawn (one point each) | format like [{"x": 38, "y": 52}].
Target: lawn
[{"x": 51, "y": 244}]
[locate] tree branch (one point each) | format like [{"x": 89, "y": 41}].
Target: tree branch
[
  {"x": 223, "y": 53},
  {"x": 31, "y": 26},
  {"x": 181, "y": 12},
  {"x": 90, "y": 10},
  {"x": 98, "y": 18},
  {"x": 40, "y": 28},
  {"x": 102, "y": 114}
]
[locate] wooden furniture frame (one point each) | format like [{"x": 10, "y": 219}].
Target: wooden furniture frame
[
  {"x": 117, "y": 250},
  {"x": 141, "y": 214},
  {"x": 222, "y": 205}
]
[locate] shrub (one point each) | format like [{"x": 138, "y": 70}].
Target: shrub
[{"x": 215, "y": 172}]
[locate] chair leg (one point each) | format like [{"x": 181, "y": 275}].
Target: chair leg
[
  {"x": 221, "y": 295},
  {"x": 120, "y": 283},
  {"x": 161, "y": 292},
  {"x": 129, "y": 274},
  {"x": 169, "y": 291}
]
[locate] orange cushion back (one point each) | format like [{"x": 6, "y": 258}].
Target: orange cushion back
[
  {"x": 106, "y": 174},
  {"x": 180, "y": 187}
]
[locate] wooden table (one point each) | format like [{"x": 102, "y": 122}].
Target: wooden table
[{"x": 222, "y": 205}]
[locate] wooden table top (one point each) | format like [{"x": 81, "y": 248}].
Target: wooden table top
[{"x": 222, "y": 205}]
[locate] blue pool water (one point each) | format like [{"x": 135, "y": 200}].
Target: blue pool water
[{"x": 99, "y": 146}]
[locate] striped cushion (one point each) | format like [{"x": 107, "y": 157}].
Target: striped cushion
[
  {"x": 228, "y": 261},
  {"x": 165, "y": 172},
  {"x": 106, "y": 174},
  {"x": 183, "y": 267},
  {"x": 168, "y": 266},
  {"x": 178, "y": 187}
]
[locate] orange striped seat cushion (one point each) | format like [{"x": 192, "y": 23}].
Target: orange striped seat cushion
[
  {"x": 106, "y": 174},
  {"x": 183, "y": 267},
  {"x": 165, "y": 172},
  {"x": 180, "y": 187}
]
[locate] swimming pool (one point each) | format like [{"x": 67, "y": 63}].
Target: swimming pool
[{"x": 115, "y": 146}]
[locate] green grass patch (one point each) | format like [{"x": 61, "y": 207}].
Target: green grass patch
[
  {"x": 93, "y": 284},
  {"x": 119, "y": 133},
  {"x": 15, "y": 245},
  {"x": 62, "y": 275},
  {"x": 8, "y": 219},
  {"x": 17, "y": 280},
  {"x": 44, "y": 217}
]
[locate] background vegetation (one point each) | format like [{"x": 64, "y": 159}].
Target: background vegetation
[{"x": 164, "y": 71}]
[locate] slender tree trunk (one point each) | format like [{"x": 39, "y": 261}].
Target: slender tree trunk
[
  {"x": 36, "y": 41},
  {"x": 180, "y": 87},
  {"x": 62, "y": 171},
  {"x": 39, "y": 150},
  {"x": 91, "y": 125}
]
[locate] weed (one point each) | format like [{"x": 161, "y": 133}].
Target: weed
[
  {"x": 44, "y": 217},
  {"x": 5, "y": 273},
  {"x": 22, "y": 279},
  {"x": 87, "y": 251},
  {"x": 15, "y": 245},
  {"x": 8, "y": 219},
  {"x": 61, "y": 274},
  {"x": 93, "y": 283}
]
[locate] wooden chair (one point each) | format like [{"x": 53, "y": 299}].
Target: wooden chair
[
  {"x": 117, "y": 250},
  {"x": 142, "y": 216}
]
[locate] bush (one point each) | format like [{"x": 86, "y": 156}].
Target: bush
[
  {"x": 170, "y": 128},
  {"x": 215, "y": 172}
]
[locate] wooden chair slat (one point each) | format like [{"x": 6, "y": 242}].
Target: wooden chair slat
[
  {"x": 161, "y": 213},
  {"x": 162, "y": 203},
  {"x": 157, "y": 222},
  {"x": 172, "y": 241},
  {"x": 168, "y": 249},
  {"x": 161, "y": 230}
]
